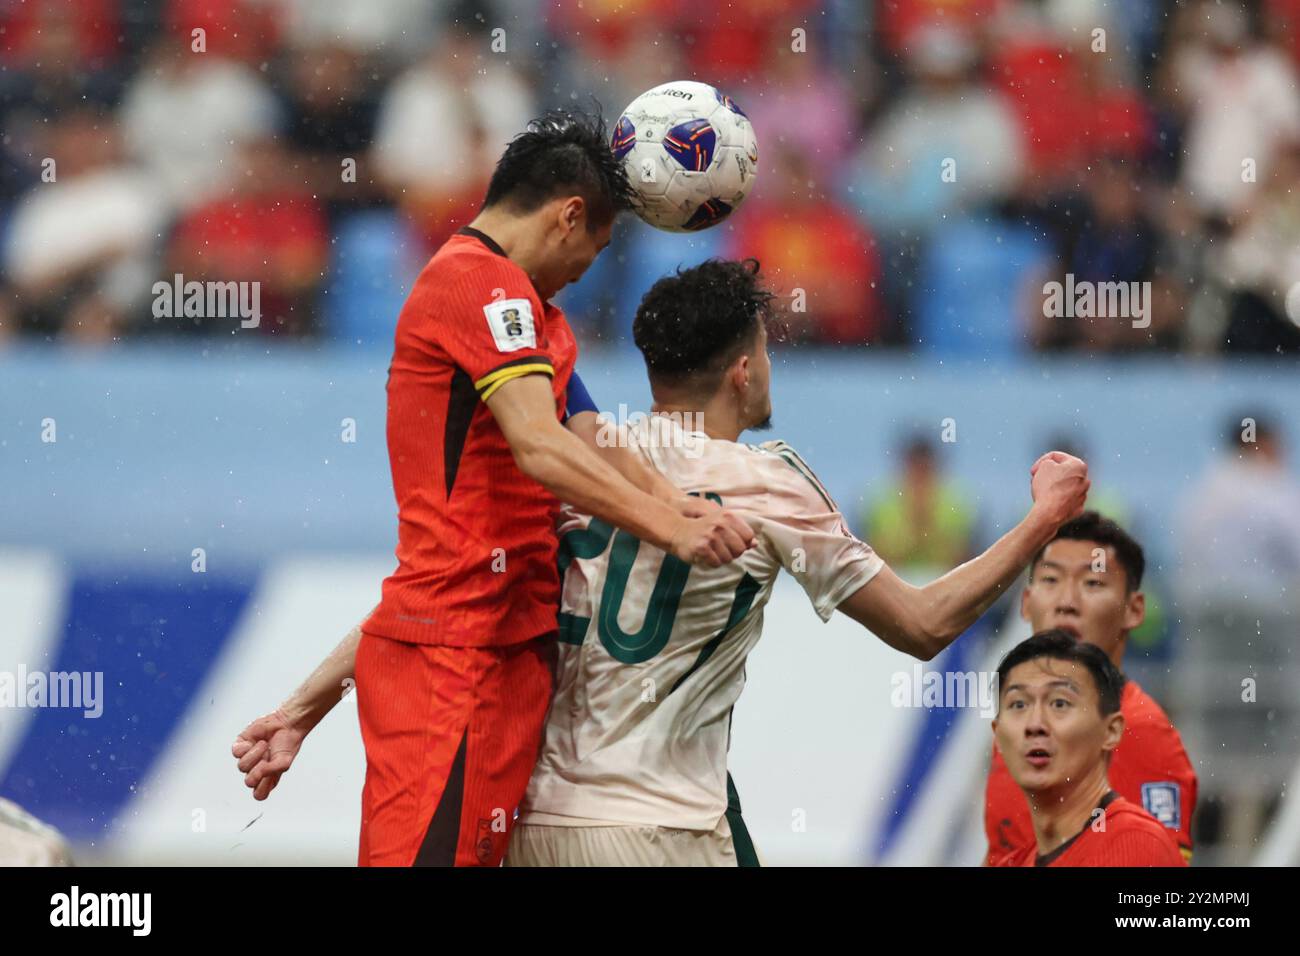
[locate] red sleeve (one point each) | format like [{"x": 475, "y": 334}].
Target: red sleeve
[
  {"x": 1007, "y": 823},
  {"x": 491, "y": 326},
  {"x": 1151, "y": 769}
]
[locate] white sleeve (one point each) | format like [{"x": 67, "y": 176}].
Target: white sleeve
[{"x": 803, "y": 529}]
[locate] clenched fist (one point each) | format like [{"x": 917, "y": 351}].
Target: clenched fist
[
  {"x": 712, "y": 539},
  {"x": 1059, "y": 483}
]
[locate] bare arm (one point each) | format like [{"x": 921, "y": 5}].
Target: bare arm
[
  {"x": 326, "y": 685},
  {"x": 266, "y": 748},
  {"x": 586, "y": 426},
  {"x": 566, "y": 466},
  {"x": 923, "y": 621}
]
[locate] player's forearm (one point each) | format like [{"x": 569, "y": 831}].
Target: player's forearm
[
  {"x": 587, "y": 426},
  {"x": 325, "y": 687},
  {"x": 955, "y": 601},
  {"x": 628, "y": 464},
  {"x": 572, "y": 471}
]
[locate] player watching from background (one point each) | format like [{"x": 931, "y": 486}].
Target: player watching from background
[
  {"x": 1058, "y": 722},
  {"x": 653, "y": 650},
  {"x": 1087, "y": 582},
  {"x": 453, "y": 668}
]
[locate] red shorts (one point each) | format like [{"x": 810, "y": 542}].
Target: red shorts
[{"x": 451, "y": 736}]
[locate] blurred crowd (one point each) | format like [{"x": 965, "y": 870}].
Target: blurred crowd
[{"x": 927, "y": 167}]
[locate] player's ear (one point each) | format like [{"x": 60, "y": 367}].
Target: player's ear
[
  {"x": 1135, "y": 611},
  {"x": 572, "y": 214},
  {"x": 1024, "y": 597},
  {"x": 1114, "y": 731},
  {"x": 740, "y": 372}
]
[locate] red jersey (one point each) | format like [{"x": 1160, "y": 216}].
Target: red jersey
[
  {"x": 1149, "y": 768},
  {"x": 476, "y": 544},
  {"x": 1130, "y": 837}
]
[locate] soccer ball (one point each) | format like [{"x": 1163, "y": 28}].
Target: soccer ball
[{"x": 690, "y": 153}]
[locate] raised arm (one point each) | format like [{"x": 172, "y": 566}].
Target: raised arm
[{"x": 922, "y": 621}]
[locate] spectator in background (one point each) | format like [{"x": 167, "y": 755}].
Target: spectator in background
[
  {"x": 1260, "y": 262},
  {"x": 802, "y": 106},
  {"x": 186, "y": 116},
  {"x": 1242, "y": 102},
  {"x": 1240, "y": 524},
  {"x": 897, "y": 179},
  {"x": 269, "y": 229},
  {"x": 1073, "y": 104},
  {"x": 385, "y": 29},
  {"x": 332, "y": 109},
  {"x": 900, "y": 21},
  {"x": 921, "y": 522},
  {"x": 1282, "y": 27},
  {"x": 737, "y": 46},
  {"x": 58, "y": 57},
  {"x": 1105, "y": 235},
  {"x": 85, "y": 34},
  {"x": 947, "y": 145},
  {"x": 606, "y": 32},
  {"x": 441, "y": 127},
  {"x": 81, "y": 250},
  {"x": 243, "y": 30},
  {"x": 813, "y": 251}
]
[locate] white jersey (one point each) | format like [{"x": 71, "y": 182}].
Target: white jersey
[{"x": 652, "y": 650}]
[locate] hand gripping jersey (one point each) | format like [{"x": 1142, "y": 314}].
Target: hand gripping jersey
[{"x": 652, "y": 653}]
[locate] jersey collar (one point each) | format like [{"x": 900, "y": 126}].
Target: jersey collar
[
  {"x": 482, "y": 237},
  {"x": 495, "y": 247},
  {"x": 1046, "y": 859}
]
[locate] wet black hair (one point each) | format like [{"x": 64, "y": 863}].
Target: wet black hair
[
  {"x": 562, "y": 153},
  {"x": 1090, "y": 526},
  {"x": 693, "y": 324},
  {"x": 1059, "y": 645}
]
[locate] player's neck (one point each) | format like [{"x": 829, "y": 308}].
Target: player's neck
[
  {"x": 1061, "y": 813},
  {"x": 1116, "y": 652},
  {"x": 516, "y": 237},
  {"x": 714, "y": 419}
]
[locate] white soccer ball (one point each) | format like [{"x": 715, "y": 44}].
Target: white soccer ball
[{"x": 690, "y": 152}]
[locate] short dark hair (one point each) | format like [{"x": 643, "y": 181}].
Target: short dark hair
[
  {"x": 1090, "y": 526},
  {"x": 1061, "y": 646},
  {"x": 690, "y": 326},
  {"x": 562, "y": 152}
]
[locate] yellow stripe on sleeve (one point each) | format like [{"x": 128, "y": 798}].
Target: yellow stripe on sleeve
[{"x": 493, "y": 380}]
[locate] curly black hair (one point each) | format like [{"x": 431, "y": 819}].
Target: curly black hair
[
  {"x": 690, "y": 326},
  {"x": 1062, "y": 646},
  {"x": 562, "y": 152},
  {"x": 1094, "y": 528}
]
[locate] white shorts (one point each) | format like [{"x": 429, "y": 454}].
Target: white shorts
[{"x": 536, "y": 844}]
